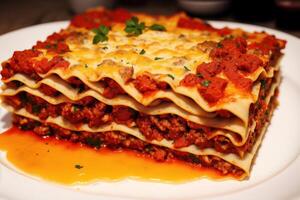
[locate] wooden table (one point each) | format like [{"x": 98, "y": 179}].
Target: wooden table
[{"x": 17, "y": 14}]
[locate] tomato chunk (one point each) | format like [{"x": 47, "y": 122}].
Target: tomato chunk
[
  {"x": 120, "y": 15},
  {"x": 214, "y": 91},
  {"x": 194, "y": 24},
  {"x": 190, "y": 80},
  {"x": 112, "y": 89},
  {"x": 91, "y": 19},
  {"x": 145, "y": 83},
  {"x": 123, "y": 114},
  {"x": 43, "y": 66},
  {"x": 208, "y": 70}
]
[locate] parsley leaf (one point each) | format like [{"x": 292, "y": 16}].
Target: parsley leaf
[
  {"x": 171, "y": 76},
  {"x": 205, "y": 83},
  {"x": 101, "y": 34},
  {"x": 142, "y": 52},
  {"x": 75, "y": 108},
  {"x": 23, "y": 97},
  {"x": 199, "y": 75},
  {"x": 229, "y": 37},
  {"x": 133, "y": 27},
  {"x": 158, "y": 58},
  {"x": 36, "y": 109},
  {"x": 94, "y": 142},
  {"x": 194, "y": 158},
  {"x": 219, "y": 45},
  {"x": 263, "y": 83},
  {"x": 78, "y": 166},
  {"x": 157, "y": 27},
  {"x": 186, "y": 68}
]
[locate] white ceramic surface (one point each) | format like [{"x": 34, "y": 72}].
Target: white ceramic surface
[{"x": 275, "y": 174}]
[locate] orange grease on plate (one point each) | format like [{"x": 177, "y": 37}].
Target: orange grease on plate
[{"x": 69, "y": 163}]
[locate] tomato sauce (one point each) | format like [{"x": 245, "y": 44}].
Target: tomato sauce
[
  {"x": 68, "y": 163},
  {"x": 95, "y": 18},
  {"x": 200, "y": 25}
]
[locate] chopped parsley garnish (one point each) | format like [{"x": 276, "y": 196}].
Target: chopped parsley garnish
[
  {"x": 263, "y": 83},
  {"x": 148, "y": 148},
  {"x": 205, "y": 83},
  {"x": 81, "y": 88},
  {"x": 36, "y": 109},
  {"x": 186, "y": 68},
  {"x": 94, "y": 142},
  {"x": 157, "y": 27},
  {"x": 229, "y": 37},
  {"x": 77, "y": 166},
  {"x": 75, "y": 108},
  {"x": 48, "y": 46},
  {"x": 171, "y": 76},
  {"x": 133, "y": 27},
  {"x": 199, "y": 75},
  {"x": 267, "y": 113},
  {"x": 142, "y": 52},
  {"x": 104, "y": 48},
  {"x": 158, "y": 58},
  {"x": 86, "y": 66},
  {"x": 23, "y": 97},
  {"x": 194, "y": 158},
  {"x": 101, "y": 34},
  {"x": 219, "y": 45}
]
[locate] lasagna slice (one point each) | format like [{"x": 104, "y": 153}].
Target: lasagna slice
[{"x": 170, "y": 87}]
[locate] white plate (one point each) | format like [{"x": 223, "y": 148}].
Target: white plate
[{"x": 275, "y": 174}]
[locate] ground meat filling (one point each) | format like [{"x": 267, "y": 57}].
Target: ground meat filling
[
  {"x": 183, "y": 133},
  {"x": 94, "y": 113},
  {"x": 119, "y": 140}
]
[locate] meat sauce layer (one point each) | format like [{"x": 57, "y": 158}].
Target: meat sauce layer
[
  {"x": 117, "y": 141},
  {"x": 183, "y": 133}
]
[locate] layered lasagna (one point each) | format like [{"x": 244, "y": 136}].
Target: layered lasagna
[{"x": 168, "y": 87}]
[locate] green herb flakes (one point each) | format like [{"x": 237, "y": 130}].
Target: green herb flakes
[
  {"x": 199, "y": 75},
  {"x": 100, "y": 34},
  {"x": 186, "y": 68},
  {"x": 205, "y": 83},
  {"x": 142, "y": 52},
  {"x": 263, "y": 83},
  {"x": 36, "y": 109},
  {"x": 94, "y": 142},
  {"x": 219, "y": 45},
  {"x": 171, "y": 76},
  {"x": 133, "y": 27},
  {"x": 157, "y": 27},
  {"x": 74, "y": 108},
  {"x": 77, "y": 166}
]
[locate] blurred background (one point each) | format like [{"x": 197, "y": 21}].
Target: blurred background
[{"x": 278, "y": 14}]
